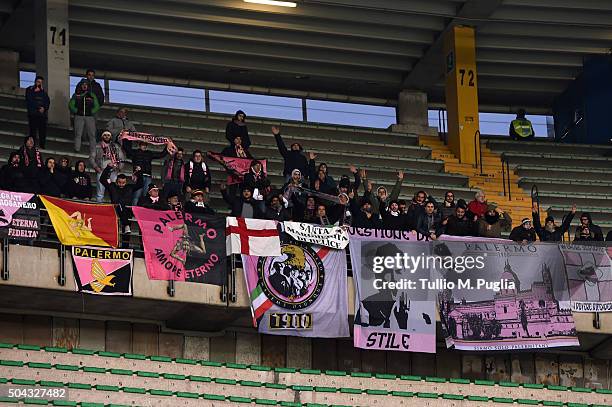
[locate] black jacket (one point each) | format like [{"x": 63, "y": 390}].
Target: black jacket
[
  {"x": 458, "y": 227},
  {"x": 119, "y": 196},
  {"x": 519, "y": 233},
  {"x": 146, "y": 202},
  {"x": 424, "y": 221},
  {"x": 12, "y": 178},
  {"x": 192, "y": 207},
  {"x": 236, "y": 203},
  {"x": 262, "y": 183},
  {"x": 78, "y": 186},
  {"x": 293, "y": 159},
  {"x": 232, "y": 130},
  {"x": 557, "y": 234},
  {"x": 198, "y": 177},
  {"x": 279, "y": 215},
  {"x": 34, "y": 100},
  {"x": 142, "y": 158},
  {"x": 95, "y": 87},
  {"x": 390, "y": 222},
  {"x": 50, "y": 183}
]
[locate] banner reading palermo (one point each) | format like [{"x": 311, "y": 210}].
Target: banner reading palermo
[
  {"x": 589, "y": 274},
  {"x": 166, "y": 243},
  {"x": 204, "y": 244},
  {"x": 329, "y": 236},
  {"x": 302, "y": 292},
  {"x": 514, "y": 296},
  {"x": 19, "y": 216},
  {"x": 103, "y": 271},
  {"x": 388, "y": 318},
  {"x": 78, "y": 224}
]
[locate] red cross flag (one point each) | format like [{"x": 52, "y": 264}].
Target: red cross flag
[{"x": 254, "y": 237}]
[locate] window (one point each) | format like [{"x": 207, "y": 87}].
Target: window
[
  {"x": 146, "y": 94},
  {"x": 276, "y": 107},
  {"x": 351, "y": 114}
]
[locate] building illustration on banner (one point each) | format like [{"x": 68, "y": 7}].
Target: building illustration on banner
[{"x": 533, "y": 314}]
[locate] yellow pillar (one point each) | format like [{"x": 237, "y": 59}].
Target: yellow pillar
[{"x": 461, "y": 92}]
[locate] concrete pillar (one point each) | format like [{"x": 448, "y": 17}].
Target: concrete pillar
[
  {"x": 52, "y": 56},
  {"x": 412, "y": 113},
  {"x": 9, "y": 70},
  {"x": 248, "y": 348},
  {"x": 299, "y": 352}
]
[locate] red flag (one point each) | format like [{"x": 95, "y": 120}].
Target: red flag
[{"x": 239, "y": 166}]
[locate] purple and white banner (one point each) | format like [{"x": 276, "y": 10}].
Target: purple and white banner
[
  {"x": 589, "y": 275},
  {"x": 387, "y": 316},
  {"x": 515, "y": 297}
]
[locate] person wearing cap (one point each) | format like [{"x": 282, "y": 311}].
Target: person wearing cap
[
  {"x": 521, "y": 128},
  {"x": 142, "y": 157},
  {"x": 198, "y": 203},
  {"x": 551, "y": 232},
  {"x": 276, "y": 210},
  {"x": 294, "y": 157},
  {"x": 237, "y": 127},
  {"x": 493, "y": 222},
  {"x": 174, "y": 202},
  {"x": 152, "y": 199},
  {"x": 106, "y": 153},
  {"x": 458, "y": 224},
  {"x": 477, "y": 207},
  {"x": 243, "y": 206},
  {"x": 524, "y": 233}
]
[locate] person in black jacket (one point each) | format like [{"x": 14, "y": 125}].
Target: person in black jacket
[
  {"x": 96, "y": 88},
  {"x": 237, "y": 127},
  {"x": 551, "y": 232},
  {"x": 37, "y": 102},
  {"x": 152, "y": 200},
  {"x": 31, "y": 162},
  {"x": 199, "y": 203},
  {"x": 63, "y": 173},
  {"x": 48, "y": 179},
  {"x": 121, "y": 194},
  {"x": 524, "y": 233},
  {"x": 197, "y": 173},
  {"x": 458, "y": 224},
  {"x": 243, "y": 206},
  {"x": 294, "y": 158},
  {"x": 275, "y": 209},
  {"x": 363, "y": 216},
  {"x": 143, "y": 158},
  {"x": 78, "y": 185},
  {"x": 392, "y": 218},
  {"x": 587, "y": 230},
  {"x": 257, "y": 180},
  {"x": 429, "y": 222},
  {"x": 12, "y": 177}
]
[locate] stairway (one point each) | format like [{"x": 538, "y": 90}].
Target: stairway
[{"x": 490, "y": 181}]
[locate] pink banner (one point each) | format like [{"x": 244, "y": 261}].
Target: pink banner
[
  {"x": 166, "y": 243},
  {"x": 239, "y": 166}
]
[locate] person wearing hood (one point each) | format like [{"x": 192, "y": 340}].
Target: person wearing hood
[
  {"x": 458, "y": 224},
  {"x": 363, "y": 214},
  {"x": 257, "y": 180},
  {"x": 322, "y": 184},
  {"x": 392, "y": 218},
  {"x": 493, "y": 222},
  {"x": 31, "y": 162},
  {"x": 173, "y": 172},
  {"x": 84, "y": 105},
  {"x": 78, "y": 185},
  {"x": 106, "y": 153},
  {"x": 306, "y": 211},
  {"x": 12, "y": 175},
  {"x": 345, "y": 186},
  {"x": 294, "y": 157},
  {"x": 96, "y": 88},
  {"x": 524, "y": 233},
  {"x": 63, "y": 173},
  {"x": 477, "y": 207},
  {"x": 119, "y": 123},
  {"x": 198, "y": 203},
  {"x": 153, "y": 200},
  {"x": 382, "y": 195},
  {"x": 243, "y": 206},
  {"x": 276, "y": 210},
  {"x": 48, "y": 179},
  {"x": 429, "y": 222},
  {"x": 551, "y": 232},
  {"x": 587, "y": 231},
  {"x": 293, "y": 190},
  {"x": 320, "y": 174},
  {"x": 37, "y": 103},
  {"x": 197, "y": 173},
  {"x": 237, "y": 127}
]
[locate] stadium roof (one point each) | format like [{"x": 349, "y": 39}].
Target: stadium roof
[{"x": 527, "y": 50}]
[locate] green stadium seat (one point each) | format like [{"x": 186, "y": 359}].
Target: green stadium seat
[
  {"x": 104, "y": 387},
  {"x": 215, "y": 397},
  {"x": 28, "y": 347},
  {"x": 79, "y": 351},
  {"x": 186, "y": 361},
  {"x": 297, "y": 387},
  {"x": 157, "y": 392},
  {"x": 509, "y": 384},
  {"x": 290, "y": 404},
  {"x": 577, "y": 404},
  {"x": 278, "y": 386},
  {"x": 134, "y": 356},
  {"x": 533, "y": 386},
  {"x": 16, "y": 363},
  {"x": 236, "y": 399},
  {"x": 203, "y": 379},
  {"x": 285, "y": 370},
  {"x": 361, "y": 374},
  {"x": 160, "y": 359},
  {"x": 452, "y": 396},
  {"x": 141, "y": 373},
  {"x": 72, "y": 368},
  {"x": 40, "y": 402},
  {"x": 4, "y": 345},
  {"x": 86, "y": 404},
  {"x": 123, "y": 372},
  {"x": 435, "y": 379},
  {"x": 315, "y": 405},
  {"x": 335, "y": 373},
  {"x": 220, "y": 380},
  {"x": 325, "y": 389},
  {"x": 581, "y": 389},
  {"x": 49, "y": 383},
  {"x": 528, "y": 401},
  {"x": 350, "y": 390},
  {"x": 93, "y": 369},
  {"x": 459, "y": 381},
  {"x": 484, "y": 382},
  {"x": 477, "y": 398},
  {"x": 552, "y": 403},
  {"x": 265, "y": 402},
  {"x": 172, "y": 376},
  {"x": 260, "y": 368},
  {"x": 402, "y": 393},
  {"x": 64, "y": 403},
  {"x": 377, "y": 392},
  {"x": 249, "y": 383},
  {"x": 556, "y": 388},
  {"x": 505, "y": 400},
  {"x": 187, "y": 395},
  {"x": 424, "y": 395},
  {"x": 211, "y": 364},
  {"x": 310, "y": 371},
  {"x": 135, "y": 390},
  {"x": 385, "y": 376},
  {"x": 603, "y": 391},
  {"x": 79, "y": 386},
  {"x": 3, "y": 380},
  {"x": 236, "y": 365},
  {"x": 8, "y": 400},
  {"x": 35, "y": 365},
  {"x": 411, "y": 378},
  {"x": 55, "y": 349},
  {"x": 24, "y": 382}
]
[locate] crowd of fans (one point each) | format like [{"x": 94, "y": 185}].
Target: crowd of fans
[{"x": 309, "y": 193}]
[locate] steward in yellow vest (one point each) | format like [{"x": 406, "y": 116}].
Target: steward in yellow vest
[{"x": 521, "y": 128}]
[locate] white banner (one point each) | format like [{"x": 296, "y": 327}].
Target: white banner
[{"x": 330, "y": 236}]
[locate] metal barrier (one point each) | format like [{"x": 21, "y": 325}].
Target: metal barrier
[
  {"x": 442, "y": 128},
  {"x": 506, "y": 176},
  {"x": 478, "y": 152}
]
